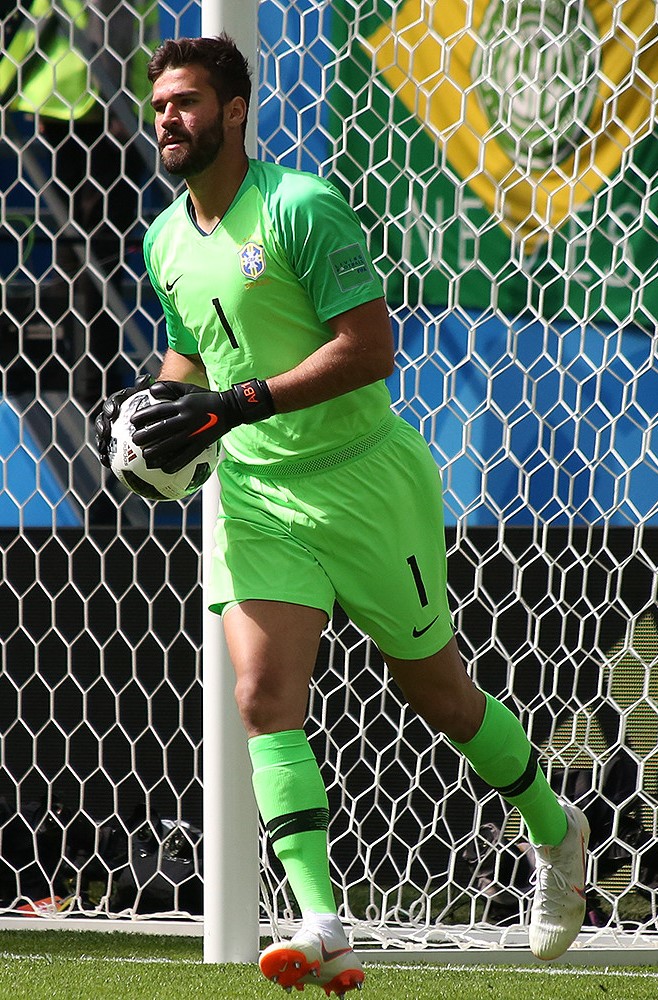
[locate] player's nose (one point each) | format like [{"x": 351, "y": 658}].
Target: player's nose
[{"x": 170, "y": 114}]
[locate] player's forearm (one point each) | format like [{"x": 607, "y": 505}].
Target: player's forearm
[
  {"x": 183, "y": 368},
  {"x": 361, "y": 352},
  {"x": 330, "y": 372}
]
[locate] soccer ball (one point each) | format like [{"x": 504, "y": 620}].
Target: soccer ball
[{"x": 128, "y": 465}]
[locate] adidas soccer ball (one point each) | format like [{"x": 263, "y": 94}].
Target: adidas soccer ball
[{"x": 128, "y": 465}]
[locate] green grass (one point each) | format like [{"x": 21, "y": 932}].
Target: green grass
[{"x": 65, "y": 965}]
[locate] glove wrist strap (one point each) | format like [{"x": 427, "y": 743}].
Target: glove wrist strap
[{"x": 254, "y": 400}]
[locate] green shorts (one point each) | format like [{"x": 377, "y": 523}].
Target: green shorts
[{"x": 366, "y": 531}]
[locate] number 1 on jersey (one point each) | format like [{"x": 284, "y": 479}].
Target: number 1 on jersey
[{"x": 225, "y": 323}]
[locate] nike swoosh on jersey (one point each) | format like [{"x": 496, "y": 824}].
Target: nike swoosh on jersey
[
  {"x": 328, "y": 956},
  {"x": 170, "y": 284},
  {"x": 211, "y": 421},
  {"x": 417, "y": 632}
]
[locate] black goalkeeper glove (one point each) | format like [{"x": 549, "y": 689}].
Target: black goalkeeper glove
[
  {"x": 109, "y": 412},
  {"x": 174, "y": 432}
]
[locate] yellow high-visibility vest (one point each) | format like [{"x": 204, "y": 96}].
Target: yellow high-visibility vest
[{"x": 42, "y": 74}]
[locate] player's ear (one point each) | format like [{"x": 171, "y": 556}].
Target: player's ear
[{"x": 235, "y": 112}]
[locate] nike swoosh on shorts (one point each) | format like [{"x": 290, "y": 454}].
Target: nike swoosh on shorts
[{"x": 417, "y": 632}]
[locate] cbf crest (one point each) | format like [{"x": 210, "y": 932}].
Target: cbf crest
[{"x": 252, "y": 260}]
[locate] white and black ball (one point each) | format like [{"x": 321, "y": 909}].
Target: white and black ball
[{"x": 128, "y": 465}]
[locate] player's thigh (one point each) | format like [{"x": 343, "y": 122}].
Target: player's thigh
[
  {"x": 389, "y": 563},
  {"x": 256, "y": 556},
  {"x": 273, "y": 648}
]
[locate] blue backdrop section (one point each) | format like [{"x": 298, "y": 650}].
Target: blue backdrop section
[
  {"x": 557, "y": 424},
  {"x": 180, "y": 19},
  {"x": 293, "y": 53},
  {"x": 28, "y": 482}
]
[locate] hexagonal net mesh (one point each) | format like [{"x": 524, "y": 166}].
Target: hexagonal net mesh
[
  {"x": 501, "y": 159},
  {"x": 100, "y": 785}
]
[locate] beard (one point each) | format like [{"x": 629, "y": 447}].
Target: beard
[{"x": 197, "y": 153}]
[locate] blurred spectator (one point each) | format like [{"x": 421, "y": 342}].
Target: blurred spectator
[{"x": 75, "y": 73}]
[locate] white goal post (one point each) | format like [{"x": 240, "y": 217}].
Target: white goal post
[
  {"x": 230, "y": 916},
  {"x": 502, "y": 159}
]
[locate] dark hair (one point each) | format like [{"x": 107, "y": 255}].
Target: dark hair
[{"x": 227, "y": 67}]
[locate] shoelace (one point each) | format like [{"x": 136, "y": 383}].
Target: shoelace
[{"x": 550, "y": 878}]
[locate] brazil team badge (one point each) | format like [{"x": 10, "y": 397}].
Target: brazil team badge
[{"x": 252, "y": 260}]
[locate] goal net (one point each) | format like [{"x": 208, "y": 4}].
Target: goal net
[{"x": 502, "y": 160}]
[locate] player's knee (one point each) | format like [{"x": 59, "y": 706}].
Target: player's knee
[
  {"x": 454, "y": 709},
  {"x": 440, "y": 690},
  {"x": 251, "y": 704},
  {"x": 266, "y": 707}
]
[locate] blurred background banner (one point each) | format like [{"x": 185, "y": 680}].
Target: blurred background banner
[
  {"x": 530, "y": 128},
  {"x": 503, "y": 160},
  {"x": 511, "y": 208}
]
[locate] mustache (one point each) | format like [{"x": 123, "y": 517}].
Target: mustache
[{"x": 172, "y": 137}]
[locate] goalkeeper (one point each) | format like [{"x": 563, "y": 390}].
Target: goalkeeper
[{"x": 279, "y": 343}]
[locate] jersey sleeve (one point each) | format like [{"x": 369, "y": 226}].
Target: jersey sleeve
[
  {"x": 178, "y": 337},
  {"x": 326, "y": 247}
]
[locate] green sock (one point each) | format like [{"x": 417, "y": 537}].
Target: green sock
[
  {"x": 501, "y": 754},
  {"x": 293, "y": 802}
]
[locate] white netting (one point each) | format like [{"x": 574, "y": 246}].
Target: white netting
[
  {"x": 100, "y": 793},
  {"x": 502, "y": 160},
  {"x": 500, "y": 156}
]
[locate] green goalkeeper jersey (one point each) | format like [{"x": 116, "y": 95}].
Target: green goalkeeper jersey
[{"x": 253, "y": 298}]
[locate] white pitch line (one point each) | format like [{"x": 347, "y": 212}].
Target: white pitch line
[
  {"x": 606, "y": 970},
  {"x": 119, "y": 959},
  {"x": 401, "y": 967}
]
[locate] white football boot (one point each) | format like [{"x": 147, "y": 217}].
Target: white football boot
[
  {"x": 558, "y": 907},
  {"x": 314, "y": 957}
]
